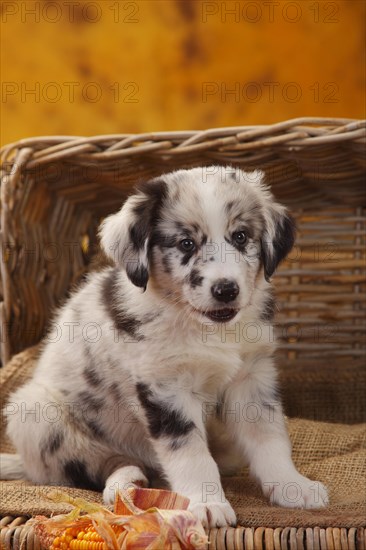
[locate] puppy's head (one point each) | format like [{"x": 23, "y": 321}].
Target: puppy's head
[{"x": 203, "y": 237}]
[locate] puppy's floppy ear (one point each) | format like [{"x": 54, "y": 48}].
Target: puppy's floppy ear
[
  {"x": 125, "y": 235},
  {"x": 278, "y": 237}
]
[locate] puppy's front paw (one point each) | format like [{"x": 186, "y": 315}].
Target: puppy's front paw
[
  {"x": 122, "y": 479},
  {"x": 300, "y": 492},
  {"x": 213, "y": 514}
]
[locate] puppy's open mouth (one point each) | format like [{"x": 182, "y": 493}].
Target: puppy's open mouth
[{"x": 221, "y": 315}]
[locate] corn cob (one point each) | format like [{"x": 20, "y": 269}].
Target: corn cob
[
  {"x": 87, "y": 539},
  {"x": 129, "y": 527}
]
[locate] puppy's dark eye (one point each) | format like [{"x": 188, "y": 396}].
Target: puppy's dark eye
[
  {"x": 187, "y": 245},
  {"x": 240, "y": 237}
]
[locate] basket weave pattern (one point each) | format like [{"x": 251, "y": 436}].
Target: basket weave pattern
[
  {"x": 16, "y": 533},
  {"x": 55, "y": 190}
]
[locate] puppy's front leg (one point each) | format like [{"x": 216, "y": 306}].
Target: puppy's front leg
[
  {"x": 253, "y": 414},
  {"x": 178, "y": 435}
]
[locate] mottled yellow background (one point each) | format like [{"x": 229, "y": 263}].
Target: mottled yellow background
[{"x": 92, "y": 67}]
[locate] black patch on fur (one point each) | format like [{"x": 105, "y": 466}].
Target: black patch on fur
[
  {"x": 90, "y": 371},
  {"x": 156, "y": 477},
  {"x": 269, "y": 309},
  {"x": 229, "y": 206},
  {"x": 162, "y": 420},
  {"x": 254, "y": 216},
  {"x": 150, "y": 317},
  {"x": 166, "y": 264},
  {"x": 163, "y": 241},
  {"x": 283, "y": 242},
  {"x": 92, "y": 377},
  {"x": 122, "y": 321},
  {"x": 52, "y": 445},
  {"x": 138, "y": 233},
  {"x": 114, "y": 390},
  {"x": 138, "y": 274},
  {"x": 181, "y": 228},
  {"x": 195, "y": 279},
  {"x": 156, "y": 190},
  {"x": 147, "y": 211},
  {"x": 55, "y": 442},
  {"x": 187, "y": 230},
  {"x": 95, "y": 429},
  {"x": 219, "y": 409},
  {"x": 90, "y": 401},
  {"x": 76, "y": 473},
  {"x": 186, "y": 257},
  {"x": 130, "y": 325},
  {"x": 176, "y": 444}
]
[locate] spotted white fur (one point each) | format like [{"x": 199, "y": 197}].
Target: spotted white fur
[{"x": 159, "y": 370}]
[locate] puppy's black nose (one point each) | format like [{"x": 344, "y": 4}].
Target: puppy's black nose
[{"x": 225, "y": 290}]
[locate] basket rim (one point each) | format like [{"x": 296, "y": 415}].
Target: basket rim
[
  {"x": 296, "y": 132},
  {"x": 19, "y": 530}
]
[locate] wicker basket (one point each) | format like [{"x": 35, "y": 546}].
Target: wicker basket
[
  {"x": 55, "y": 190},
  {"x": 16, "y": 534}
]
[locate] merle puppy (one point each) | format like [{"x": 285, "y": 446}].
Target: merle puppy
[{"x": 161, "y": 366}]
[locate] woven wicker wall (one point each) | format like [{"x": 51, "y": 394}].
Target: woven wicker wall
[{"x": 56, "y": 190}]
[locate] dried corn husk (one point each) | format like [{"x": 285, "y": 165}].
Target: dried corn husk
[{"x": 149, "y": 519}]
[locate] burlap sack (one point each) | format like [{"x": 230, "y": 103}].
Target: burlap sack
[{"x": 332, "y": 453}]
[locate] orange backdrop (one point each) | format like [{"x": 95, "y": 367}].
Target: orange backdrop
[{"x": 93, "y": 67}]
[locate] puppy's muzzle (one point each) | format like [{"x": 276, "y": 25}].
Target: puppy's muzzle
[{"x": 225, "y": 290}]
